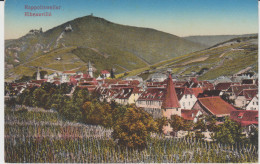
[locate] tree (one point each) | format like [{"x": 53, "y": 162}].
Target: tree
[
  {"x": 71, "y": 111},
  {"x": 177, "y": 123},
  {"x": 226, "y": 98},
  {"x": 65, "y": 88},
  {"x": 112, "y": 73},
  {"x": 200, "y": 124},
  {"x": 37, "y": 97},
  {"x": 134, "y": 127},
  {"x": 42, "y": 74},
  {"x": 93, "y": 113},
  {"x": 23, "y": 79},
  {"x": 161, "y": 122},
  {"x": 253, "y": 136},
  {"x": 230, "y": 132},
  {"x": 211, "y": 123},
  {"x": 57, "y": 101}
]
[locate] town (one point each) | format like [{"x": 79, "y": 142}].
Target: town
[{"x": 164, "y": 96}]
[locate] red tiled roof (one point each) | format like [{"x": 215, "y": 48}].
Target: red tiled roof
[
  {"x": 38, "y": 81},
  {"x": 224, "y": 86},
  {"x": 153, "y": 94},
  {"x": 187, "y": 91},
  {"x": 86, "y": 75},
  {"x": 216, "y": 105},
  {"x": 249, "y": 93},
  {"x": 73, "y": 81},
  {"x": 179, "y": 83},
  {"x": 104, "y": 72},
  {"x": 188, "y": 114},
  {"x": 197, "y": 91},
  {"x": 245, "y": 117},
  {"x": 170, "y": 99},
  {"x": 248, "y": 81},
  {"x": 111, "y": 81},
  {"x": 119, "y": 86},
  {"x": 137, "y": 90},
  {"x": 194, "y": 80},
  {"x": 123, "y": 82},
  {"x": 237, "y": 89},
  {"x": 134, "y": 82},
  {"x": 125, "y": 93},
  {"x": 77, "y": 76}
]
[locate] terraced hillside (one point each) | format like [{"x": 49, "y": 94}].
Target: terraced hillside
[{"x": 226, "y": 58}]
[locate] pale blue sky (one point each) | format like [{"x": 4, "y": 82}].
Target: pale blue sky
[{"x": 178, "y": 17}]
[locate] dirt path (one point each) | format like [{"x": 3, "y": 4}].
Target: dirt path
[{"x": 195, "y": 60}]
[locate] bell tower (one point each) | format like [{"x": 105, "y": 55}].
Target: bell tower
[
  {"x": 38, "y": 75},
  {"x": 170, "y": 104},
  {"x": 90, "y": 69}
]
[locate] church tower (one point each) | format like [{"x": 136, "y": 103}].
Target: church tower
[
  {"x": 38, "y": 75},
  {"x": 90, "y": 69},
  {"x": 170, "y": 104}
]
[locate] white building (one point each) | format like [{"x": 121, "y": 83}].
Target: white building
[
  {"x": 158, "y": 77},
  {"x": 187, "y": 99},
  {"x": 253, "y": 104}
]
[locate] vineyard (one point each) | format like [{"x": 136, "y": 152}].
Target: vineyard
[{"x": 36, "y": 135}]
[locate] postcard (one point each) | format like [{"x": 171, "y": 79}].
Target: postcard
[{"x": 130, "y": 81}]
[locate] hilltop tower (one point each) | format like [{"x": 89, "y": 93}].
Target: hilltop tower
[
  {"x": 90, "y": 69},
  {"x": 38, "y": 75},
  {"x": 170, "y": 104}
]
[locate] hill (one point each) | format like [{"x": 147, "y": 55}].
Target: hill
[
  {"x": 211, "y": 40},
  {"x": 94, "y": 39},
  {"x": 223, "y": 59}
]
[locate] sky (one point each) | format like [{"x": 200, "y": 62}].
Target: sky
[{"x": 178, "y": 17}]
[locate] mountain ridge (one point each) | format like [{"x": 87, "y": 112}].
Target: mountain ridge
[{"x": 123, "y": 45}]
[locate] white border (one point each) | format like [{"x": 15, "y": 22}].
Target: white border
[{"x": 2, "y": 81}]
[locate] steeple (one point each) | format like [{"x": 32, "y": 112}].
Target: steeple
[
  {"x": 170, "y": 100},
  {"x": 170, "y": 104},
  {"x": 90, "y": 69},
  {"x": 38, "y": 75}
]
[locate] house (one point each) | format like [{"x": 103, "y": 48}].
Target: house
[
  {"x": 157, "y": 84},
  {"x": 194, "y": 83},
  {"x": 247, "y": 119},
  {"x": 235, "y": 90},
  {"x": 245, "y": 96},
  {"x": 89, "y": 83},
  {"x": 158, "y": 77},
  {"x": 213, "y": 106},
  {"x": 106, "y": 93},
  {"x": 253, "y": 104},
  {"x": 36, "y": 83},
  {"x": 222, "y": 79},
  {"x": 69, "y": 73},
  {"x": 223, "y": 87},
  {"x": 131, "y": 78},
  {"x": 248, "y": 81},
  {"x": 104, "y": 74},
  {"x": 124, "y": 95},
  {"x": 151, "y": 100},
  {"x": 186, "y": 97},
  {"x": 51, "y": 77},
  {"x": 190, "y": 115}
]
